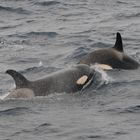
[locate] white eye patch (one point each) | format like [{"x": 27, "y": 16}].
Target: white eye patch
[
  {"x": 105, "y": 67},
  {"x": 82, "y": 80}
]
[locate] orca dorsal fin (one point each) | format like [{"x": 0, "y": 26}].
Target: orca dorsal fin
[
  {"x": 20, "y": 80},
  {"x": 118, "y": 44}
]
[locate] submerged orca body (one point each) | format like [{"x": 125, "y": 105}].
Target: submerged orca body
[
  {"x": 113, "y": 57},
  {"x": 68, "y": 80}
]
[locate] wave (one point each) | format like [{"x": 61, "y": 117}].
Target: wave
[
  {"x": 90, "y": 137},
  {"x": 14, "y": 111},
  {"x": 121, "y": 2},
  {"x": 34, "y": 34},
  {"x": 116, "y": 83},
  {"x": 100, "y": 45},
  {"x": 42, "y": 128},
  {"x": 10, "y": 27},
  {"x": 127, "y": 15},
  {"x": 131, "y": 109},
  {"x": 49, "y": 34},
  {"x": 40, "y": 68},
  {"x": 77, "y": 54},
  {"x": 47, "y": 3},
  {"x": 14, "y": 10}
]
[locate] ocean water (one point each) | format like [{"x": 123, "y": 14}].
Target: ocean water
[{"x": 38, "y": 37}]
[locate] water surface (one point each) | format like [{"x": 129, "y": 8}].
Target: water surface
[{"x": 38, "y": 37}]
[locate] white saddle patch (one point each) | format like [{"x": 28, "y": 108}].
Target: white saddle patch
[{"x": 82, "y": 80}]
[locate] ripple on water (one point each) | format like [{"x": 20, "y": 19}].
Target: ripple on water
[
  {"x": 14, "y": 10},
  {"x": 98, "y": 137},
  {"x": 14, "y": 111},
  {"x": 47, "y": 3},
  {"x": 40, "y": 130},
  {"x": 36, "y": 34},
  {"x": 132, "y": 109}
]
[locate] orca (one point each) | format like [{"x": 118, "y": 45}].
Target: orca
[
  {"x": 68, "y": 80},
  {"x": 111, "y": 58}
]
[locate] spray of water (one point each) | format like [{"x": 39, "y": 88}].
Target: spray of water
[
  {"x": 40, "y": 64},
  {"x": 2, "y": 97},
  {"x": 105, "y": 78}
]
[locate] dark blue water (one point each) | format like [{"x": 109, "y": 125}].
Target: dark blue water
[{"x": 38, "y": 37}]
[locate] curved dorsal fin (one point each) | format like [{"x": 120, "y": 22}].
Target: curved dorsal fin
[
  {"x": 20, "y": 80},
  {"x": 118, "y": 44}
]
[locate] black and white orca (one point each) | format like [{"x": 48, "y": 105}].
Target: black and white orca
[
  {"x": 68, "y": 80},
  {"x": 111, "y": 58}
]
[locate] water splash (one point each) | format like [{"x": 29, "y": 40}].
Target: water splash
[
  {"x": 40, "y": 64},
  {"x": 2, "y": 97},
  {"x": 104, "y": 76}
]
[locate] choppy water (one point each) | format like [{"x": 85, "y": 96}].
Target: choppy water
[{"x": 38, "y": 37}]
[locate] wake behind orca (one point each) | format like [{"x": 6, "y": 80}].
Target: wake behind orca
[
  {"x": 69, "y": 80},
  {"x": 113, "y": 57}
]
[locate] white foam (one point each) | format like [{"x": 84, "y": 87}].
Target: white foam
[
  {"x": 5, "y": 95},
  {"x": 40, "y": 64},
  {"x": 2, "y": 97},
  {"x": 103, "y": 73}
]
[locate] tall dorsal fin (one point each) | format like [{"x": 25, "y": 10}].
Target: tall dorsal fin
[
  {"x": 20, "y": 80},
  {"x": 118, "y": 44}
]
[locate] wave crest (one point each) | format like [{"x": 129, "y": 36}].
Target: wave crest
[{"x": 14, "y": 10}]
